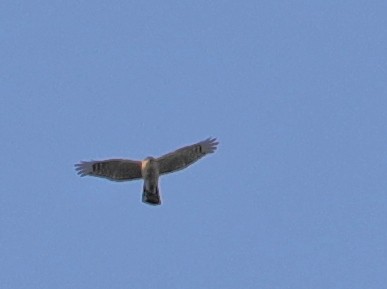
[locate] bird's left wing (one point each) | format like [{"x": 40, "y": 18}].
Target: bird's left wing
[
  {"x": 114, "y": 170},
  {"x": 186, "y": 156}
]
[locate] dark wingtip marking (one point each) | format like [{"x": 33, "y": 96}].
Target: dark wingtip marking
[{"x": 79, "y": 169}]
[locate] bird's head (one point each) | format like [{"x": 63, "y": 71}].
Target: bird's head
[{"x": 150, "y": 159}]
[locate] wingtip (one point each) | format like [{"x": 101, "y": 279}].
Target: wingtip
[
  {"x": 210, "y": 144},
  {"x": 211, "y": 139},
  {"x": 214, "y": 141},
  {"x": 83, "y": 168}
]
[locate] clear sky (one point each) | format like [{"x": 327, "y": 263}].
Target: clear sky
[{"x": 296, "y": 194}]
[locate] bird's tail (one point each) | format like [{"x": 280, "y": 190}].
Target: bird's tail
[{"x": 151, "y": 196}]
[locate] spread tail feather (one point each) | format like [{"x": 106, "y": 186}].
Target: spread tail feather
[{"x": 152, "y": 196}]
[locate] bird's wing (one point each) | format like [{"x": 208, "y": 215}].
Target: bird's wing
[
  {"x": 186, "y": 156},
  {"x": 115, "y": 169}
]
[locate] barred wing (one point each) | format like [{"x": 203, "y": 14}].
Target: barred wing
[
  {"x": 186, "y": 156},
  {"x": 115, "y": 170}
]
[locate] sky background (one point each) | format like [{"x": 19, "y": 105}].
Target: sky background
[{"x": 295, "y": 91}]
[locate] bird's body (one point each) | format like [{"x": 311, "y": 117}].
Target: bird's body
[
  {"x": 150, "y": 174},
  {"x": 149, "y": 169}
]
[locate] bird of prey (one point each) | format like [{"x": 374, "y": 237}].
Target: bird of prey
[{"x": 149, "y": 169}]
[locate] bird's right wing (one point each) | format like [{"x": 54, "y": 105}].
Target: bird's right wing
[
  {"x": 186, "y": 156},
  {"x": 114, "y": 170}
]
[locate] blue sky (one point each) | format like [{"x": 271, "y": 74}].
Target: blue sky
[{"x": 295, "y": 91}]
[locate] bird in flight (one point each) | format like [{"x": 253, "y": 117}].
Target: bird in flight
[{"x": 148, "y": 169}]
